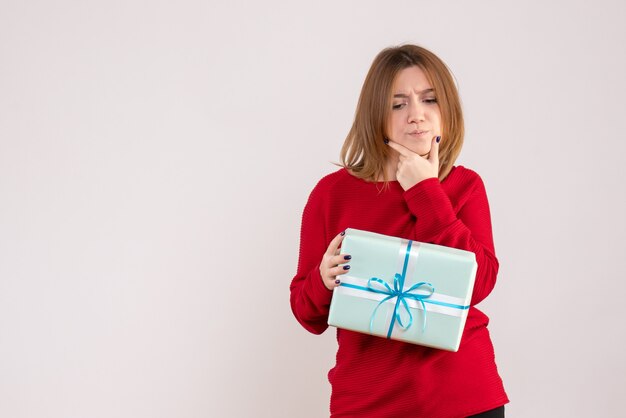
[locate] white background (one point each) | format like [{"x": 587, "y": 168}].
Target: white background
[{"x": 155, "y": 158}]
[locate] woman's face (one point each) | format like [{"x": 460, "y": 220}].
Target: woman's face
[{"x": 415, "y": 118}]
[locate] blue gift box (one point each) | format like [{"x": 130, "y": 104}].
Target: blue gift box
[{"x": 404, "y": 290}]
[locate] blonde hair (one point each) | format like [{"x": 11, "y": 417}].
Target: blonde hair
[{"x": 364, "y": 153}]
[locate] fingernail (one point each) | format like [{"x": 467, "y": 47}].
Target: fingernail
[
  {"x": 438, "y": 139},
  {"x": 343, "y": 233},
  {"x": 337, "y": 281},
  {"x": 386, "y": 141},
  {"x": 346, "y": 267},
  {"x": 347, "y": 257}
]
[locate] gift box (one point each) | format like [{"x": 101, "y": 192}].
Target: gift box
[{"x": 404, "y": 290}]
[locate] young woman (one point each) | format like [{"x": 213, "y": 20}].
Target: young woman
[{"x": 399, "y": 179}]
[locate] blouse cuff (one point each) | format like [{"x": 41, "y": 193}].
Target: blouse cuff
[
  {"x": 319, "y": 290},
  {"x": 431, "y": 206}
]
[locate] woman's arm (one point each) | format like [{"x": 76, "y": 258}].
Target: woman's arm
[
  {"x": 469, "y": 229},
  {"x": 310, "y": 299}
]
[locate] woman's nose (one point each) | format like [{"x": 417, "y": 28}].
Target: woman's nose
[{"x": 416, "y": 113}]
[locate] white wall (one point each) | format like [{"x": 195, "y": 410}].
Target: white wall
[{"x": 155, "y": 158}]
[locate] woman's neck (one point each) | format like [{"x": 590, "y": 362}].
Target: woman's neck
[{"x": 390, "y": 167}]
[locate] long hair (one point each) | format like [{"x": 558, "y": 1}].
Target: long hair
[{"x": 364, "y": 153}]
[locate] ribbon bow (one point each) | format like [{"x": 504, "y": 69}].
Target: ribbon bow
[{"x": 401, "y": 295}]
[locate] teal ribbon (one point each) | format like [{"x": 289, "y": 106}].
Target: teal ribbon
[{"x": 402, "y": 295}]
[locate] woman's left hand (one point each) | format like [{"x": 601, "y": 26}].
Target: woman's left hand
[{"x": 412, "y": 167}]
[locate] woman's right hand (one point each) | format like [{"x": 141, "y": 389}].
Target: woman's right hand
[{"x": 331, "y": 266}]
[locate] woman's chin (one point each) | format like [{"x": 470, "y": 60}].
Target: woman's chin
[{"x": 422, "y": 152}]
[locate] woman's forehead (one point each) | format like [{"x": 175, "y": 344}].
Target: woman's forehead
[{"x": 411, "y": 79}]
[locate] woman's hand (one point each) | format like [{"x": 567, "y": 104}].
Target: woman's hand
[
  {"x": 412, "y": 167},
  {"x": 330, "y": 267}
]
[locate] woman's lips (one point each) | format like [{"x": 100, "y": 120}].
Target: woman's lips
[{"x": 418, "y": 133}]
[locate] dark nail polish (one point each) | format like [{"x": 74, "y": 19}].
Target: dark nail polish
[
  {"x": 438, "y": 139},
  {"x": 346, "y": 267},
  {"x": 386, "y": 141},
  {"x": 347, "y": 257},
  {"x": 337, "y": 281},
  {"x": 343, "y": 233}
]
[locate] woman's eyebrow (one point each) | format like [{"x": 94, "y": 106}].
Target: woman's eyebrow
[{"x": 419, "y": 93}]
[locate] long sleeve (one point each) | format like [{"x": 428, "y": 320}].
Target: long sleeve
[
  {"x": 468, "y": 229},
  {"x": 310, "y": 299}
]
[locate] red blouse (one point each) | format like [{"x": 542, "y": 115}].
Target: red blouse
[{"x": 377, "y": 377}]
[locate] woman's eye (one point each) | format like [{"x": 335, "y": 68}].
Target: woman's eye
[
  {"x": 430, "y": 101},
  {"x": 397, "y": 106}
]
